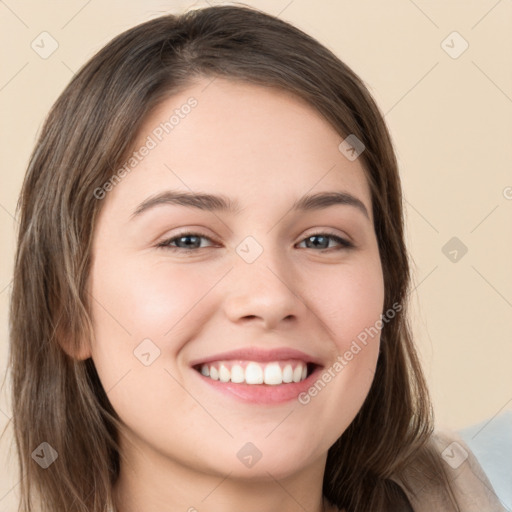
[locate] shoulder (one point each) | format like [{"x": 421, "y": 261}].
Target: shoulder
[{"x": 468, "y": 482}]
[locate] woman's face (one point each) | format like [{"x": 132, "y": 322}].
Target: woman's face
[{"x": 194, "y": 304}]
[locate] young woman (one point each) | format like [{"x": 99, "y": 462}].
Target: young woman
[{"x": 211, "y": 282}]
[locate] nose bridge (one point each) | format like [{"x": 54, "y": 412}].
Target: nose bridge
[
  {"x": 261, "y": 283},
  {"x": 261, "y": 258}
]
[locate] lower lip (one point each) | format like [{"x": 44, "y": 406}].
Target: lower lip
[{"x": 262, "y": 393}]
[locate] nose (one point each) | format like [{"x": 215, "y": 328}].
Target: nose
[{"x": 265, "y": 292}]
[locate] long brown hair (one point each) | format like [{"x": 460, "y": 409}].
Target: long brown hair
[{"x": 58, "y": 398}]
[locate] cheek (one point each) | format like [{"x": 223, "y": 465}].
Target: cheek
[
  {"x": 143, "y": 315},
  {"x": 349, "y": 300},
  {"x": 139, "y": 314},
  {"x": 350, "y": 303},
  {"x": 134, "y": 302}
]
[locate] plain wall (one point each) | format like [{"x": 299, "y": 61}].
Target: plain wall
[{"x": 451, "y": 123}]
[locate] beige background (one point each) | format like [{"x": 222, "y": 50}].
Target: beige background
[{"x": 451, "y": 122}]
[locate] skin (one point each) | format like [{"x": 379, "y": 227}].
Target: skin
[{"x": 265, "y": 148}]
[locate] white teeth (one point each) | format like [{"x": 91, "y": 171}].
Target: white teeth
[
  {"x": 288, "y": 373},
  {"x": 224, "y": 374},
  {"x": 237, "y": 374},
  {"x": 297, "y": 374},
  {"x": 214, "y": 373},
  {"x": 254, "y": 374},
  {"x": 272, "y": 374}
]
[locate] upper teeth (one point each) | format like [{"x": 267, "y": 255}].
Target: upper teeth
[{"x": 250, "y": 372}]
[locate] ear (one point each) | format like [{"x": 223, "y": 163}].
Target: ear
[
  {"x": 75, "y": 349},
  {"x": 80, "y": 353}
]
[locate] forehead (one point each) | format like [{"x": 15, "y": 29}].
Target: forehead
[{"x": 246, "y": 141}]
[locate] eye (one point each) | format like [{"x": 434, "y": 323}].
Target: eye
[
  {"x": 185, "y": 241},
  {"x": 319, "y": 240},
  {"x": 188, "y": 242}
]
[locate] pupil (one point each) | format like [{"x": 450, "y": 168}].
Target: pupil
[
  {"x": 322, "y": 238},
  {"x": 188, "y": 237}
]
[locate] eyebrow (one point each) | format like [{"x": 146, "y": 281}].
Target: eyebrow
[{"x": 219, "y": 202}]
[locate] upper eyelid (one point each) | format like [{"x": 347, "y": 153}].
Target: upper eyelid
[{"x": 187, "y": 233}]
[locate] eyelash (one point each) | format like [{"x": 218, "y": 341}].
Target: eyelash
[{"x": 166, "y": 244}]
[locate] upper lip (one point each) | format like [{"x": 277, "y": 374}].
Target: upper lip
[{"x": 260, "y": 355}]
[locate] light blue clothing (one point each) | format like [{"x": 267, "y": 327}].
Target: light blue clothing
[{"x": 491, "y": 443}]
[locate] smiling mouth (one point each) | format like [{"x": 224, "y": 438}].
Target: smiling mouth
[{"x": 272, "y": 373}]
